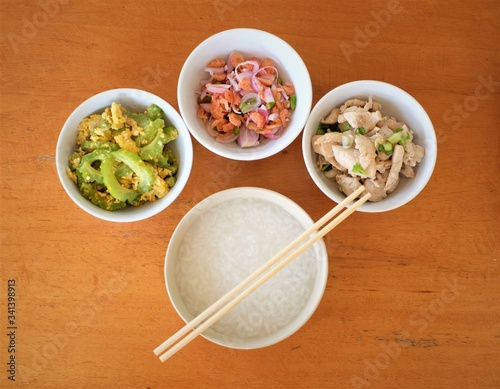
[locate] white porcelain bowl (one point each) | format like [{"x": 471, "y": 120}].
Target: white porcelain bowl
[
  {"x": 225, "y": 238},
  {"x": 137, "y": 101},
  {"x": 250, "y": 43},
  {"x": 396, "y": 103}
]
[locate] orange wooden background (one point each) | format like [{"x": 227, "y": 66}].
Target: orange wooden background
[{"x": 413, "y": 294}]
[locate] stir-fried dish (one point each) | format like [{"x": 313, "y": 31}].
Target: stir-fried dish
[
  {"x": 357, "y": 146},
  {"x": 122, "y": 158},
  {"x": 245, "y": 100}
]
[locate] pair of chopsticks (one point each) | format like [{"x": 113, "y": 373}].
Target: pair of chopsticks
[{"x": 232, "y": 298}]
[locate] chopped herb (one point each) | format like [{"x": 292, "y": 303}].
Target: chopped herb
[
  {"x": 395, "y": 138},
  {"x": 358, "y": 169},
  {"x": 360, "y": 131},
  {"x": 320, "y": 131},
  {"x": 236, "y": 130},
  {"x": 293, "y": 102}
]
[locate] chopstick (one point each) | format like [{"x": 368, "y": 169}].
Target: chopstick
[{"x": 232, "y": 298}]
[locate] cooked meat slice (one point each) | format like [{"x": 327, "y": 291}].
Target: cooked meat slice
[
  {"x": 383, "y": 164},
  {"x": 372, "y": 105},
  {"x": 376, "y": 187},
  {"x": 397, "y": 162},
  {"x": 360, "y": 118},
  {"x": 347, "y": 158},
  {"x": 385, "y": 131},
  {"x": 407, "y": 171},
  {"x": 322, "y": 144},
  {"x": 352, "y": 103},
  {"x": 414, "y": 154},
  {"x": 367, "y": 154},
  {"x": 332, "y": 117},
  {"x": 347, "y": 184},
  {"x": 392, "y": 123}
]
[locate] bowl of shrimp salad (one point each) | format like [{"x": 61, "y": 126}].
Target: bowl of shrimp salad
[
  {"x": 374, "y": 134},
  {"x": 244, "y": 94}
]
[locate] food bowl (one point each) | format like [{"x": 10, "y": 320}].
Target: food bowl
[
  {"x": 225, "y": 238},
  {"x": 395, "y": 103},
  {"x": 137, "y": 101},
  {"x": 250, "y": 43}
]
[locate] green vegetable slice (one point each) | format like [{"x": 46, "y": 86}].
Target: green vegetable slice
[
  {"x": 86, "y": 172},
  {"x": 293, "y": 101},
  {"x": 143, "y": 170},
  {"x": 103, "y": 200},
  {"x": 358, "y": 169},
  {"x": 98, "y": 145},
  {"x": 114, "y": 188}
]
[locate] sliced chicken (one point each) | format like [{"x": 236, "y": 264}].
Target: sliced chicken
[
  {"x": 407, "y": 171},
  {"x": 376, "y": 187},
  {"x": 367, "y": 154},
  {"x": 347, "y": 184},
  {"x": 322, "y": 144},
  {"x": 352, "y": 103},
  {"x": 360, "y": 118},
  {"x": 414, "y": 154},
  {"x": 372, "y": 105},
  {"x": 332, "y": 118},
  {"x": 347, "y": 158},
  {"x": 392, "y": 123},
  {"x": 397, "y": 162}
]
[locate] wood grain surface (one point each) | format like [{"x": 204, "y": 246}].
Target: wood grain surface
[{"x": 412, "y": 299}]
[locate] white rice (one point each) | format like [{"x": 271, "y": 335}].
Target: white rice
[{"x": 226, "y": 244}]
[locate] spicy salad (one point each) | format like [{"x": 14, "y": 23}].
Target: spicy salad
[{"x": 245, "y": 100}]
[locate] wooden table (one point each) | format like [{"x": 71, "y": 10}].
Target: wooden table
[{"x": 412, "y": 299}]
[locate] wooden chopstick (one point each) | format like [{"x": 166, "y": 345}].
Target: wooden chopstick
[{"x": 231, "y": 298}]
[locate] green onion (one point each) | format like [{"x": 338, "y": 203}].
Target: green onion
[
  {"x": 326, "y": 168},
  {"x": 293, "y": 101},
  {"x": 346, "y": 127},
  {"x": 280, "y": 80},
  {"x": 399, "y": 129},
  {"x": 395, "y": 138},
  {"x": 388, "y": 153},
  {"x": 358, "y": 169},
  {"x": 206, "y": 99},
  {"x": 360, "y": 131},
  {"x": 380, "y": 148},
  {"x": 387, "y": 146},
  {"x": 270, "y": 105},
  {"x": 236, "y": 130},
  {"x": 320, "y": 131}
]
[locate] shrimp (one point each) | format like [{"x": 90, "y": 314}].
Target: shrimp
[
  {"x": 275, "y": 123},
  {"x": 288, "y": 88},
  {"x": 235, "y": 119},
  {"x": 216, "y": 63},
  {"x": 258, "y": 119},
  {"x": 285, "y": 117},
  {"x": 219, "y": 76},
  {"x": 216, "y": 108},
  {"x": 245, "y": 84},
  {"x": 236, "y": 59},
  {"x": 202, "y": 113},
  {"x": 267, "y": 62}
]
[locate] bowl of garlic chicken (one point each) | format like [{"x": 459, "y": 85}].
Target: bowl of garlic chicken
[{"x": 373, "y": 134}]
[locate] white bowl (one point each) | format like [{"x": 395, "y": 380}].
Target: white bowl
[
  {"x": 396, "y": 103},
  {"x": 251, "y": 43},
  {"x": 225, "y": 238},
  {"x": 137, "y": 101}
]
